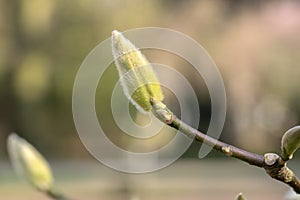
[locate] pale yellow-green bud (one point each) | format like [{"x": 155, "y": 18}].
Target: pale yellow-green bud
[
  {"x": 29, "y": 163},
  {"x": 137, "y": 77}
]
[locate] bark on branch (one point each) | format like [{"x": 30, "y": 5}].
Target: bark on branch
[{"x": 273, "y": 164}]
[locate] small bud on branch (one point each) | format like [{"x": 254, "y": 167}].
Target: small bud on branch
[{"x": 290, "y": 143}]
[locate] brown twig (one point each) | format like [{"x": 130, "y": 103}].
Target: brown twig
[
  {"x": 277, "y": 168},
  {"x": 273, "y": 164}
]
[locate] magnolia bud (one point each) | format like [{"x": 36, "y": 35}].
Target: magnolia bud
[
  {"x": 29, "y": 163},
  {"x": 137, "y": 77}
]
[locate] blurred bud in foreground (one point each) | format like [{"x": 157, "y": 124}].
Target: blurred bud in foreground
[
  {"x": 240, "y": 196},
  {"x": 137, "y": 77},
  {"x": 290, "y": 142},
  {"x": 29, "y": 163}
]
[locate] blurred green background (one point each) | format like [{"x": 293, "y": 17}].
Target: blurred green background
[{"x": 255, "y": 44}]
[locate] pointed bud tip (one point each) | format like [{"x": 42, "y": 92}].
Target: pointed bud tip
[
  {"x": 12, "y": 135},
  {"x": 115, "y": 34},
  {"x": 12, "y": 139}
]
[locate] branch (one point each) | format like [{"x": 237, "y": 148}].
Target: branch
[
  {"x": 274, "y": 165},
  {"x": 277, "y": 168}
]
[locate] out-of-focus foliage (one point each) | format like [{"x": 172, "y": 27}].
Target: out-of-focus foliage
[{"x": 43, "y": 42}]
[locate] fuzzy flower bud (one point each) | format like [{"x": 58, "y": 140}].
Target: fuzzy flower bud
[
  {"x": 137, "y": 77},
  {"x": 29, "y": 163}
]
